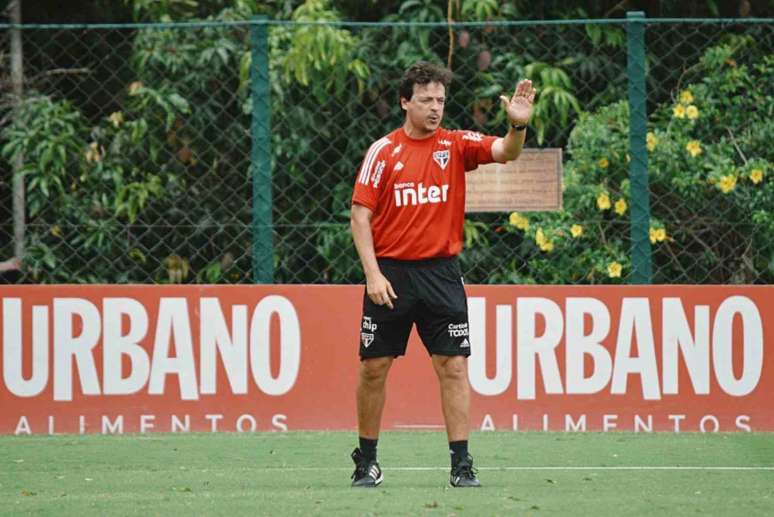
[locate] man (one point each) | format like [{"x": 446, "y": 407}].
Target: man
[{"x": 407, "y": 217}]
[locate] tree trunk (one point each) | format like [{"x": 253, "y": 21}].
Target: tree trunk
[{"x": 17, "y": 80}]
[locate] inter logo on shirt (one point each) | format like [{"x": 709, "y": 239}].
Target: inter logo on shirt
[
  {"x": 407, "y": 194},
  {"x": 441, "y": 158}
]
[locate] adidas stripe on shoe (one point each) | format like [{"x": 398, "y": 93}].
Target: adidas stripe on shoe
[{"x": 367, "y": 474}]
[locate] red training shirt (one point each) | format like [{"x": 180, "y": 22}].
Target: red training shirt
[{"x": 416, "y": 191}]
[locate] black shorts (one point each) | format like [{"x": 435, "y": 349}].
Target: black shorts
[{"x": 431, "y": 294}]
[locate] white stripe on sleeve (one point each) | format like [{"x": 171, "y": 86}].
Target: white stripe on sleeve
[{"x": 373, "y": 152}]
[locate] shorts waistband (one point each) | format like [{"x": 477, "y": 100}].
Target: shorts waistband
[{"x": 435, "y": 261}]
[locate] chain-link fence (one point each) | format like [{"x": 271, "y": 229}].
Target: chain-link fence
[
  {"x": 711, "y": 159},
  {"x": 227, "y": 152}
]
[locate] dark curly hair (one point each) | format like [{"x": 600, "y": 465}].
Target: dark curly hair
[{"x": 423, "y": 72}]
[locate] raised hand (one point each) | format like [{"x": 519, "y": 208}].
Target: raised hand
[{"x": 519, "y": 106}]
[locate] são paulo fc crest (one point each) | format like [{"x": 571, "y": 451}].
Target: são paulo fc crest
[{"x": 441, "y": 158}]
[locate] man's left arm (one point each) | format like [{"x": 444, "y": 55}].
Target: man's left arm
[{"x": 519, "y": 111}]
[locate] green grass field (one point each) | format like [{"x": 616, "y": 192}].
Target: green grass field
[{"x": 306, "y": 473}]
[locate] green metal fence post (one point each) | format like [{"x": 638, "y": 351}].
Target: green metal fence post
[
  {"x": 638, "y": 165},
  {"x": 260, "y": 162}
]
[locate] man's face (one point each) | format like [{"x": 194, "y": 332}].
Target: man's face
[{"x": 424, "y": 109}]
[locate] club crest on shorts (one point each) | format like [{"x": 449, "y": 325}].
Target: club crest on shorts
[
  {"x": 366, "y": 338},
  {"x": 441, "y": 158}
]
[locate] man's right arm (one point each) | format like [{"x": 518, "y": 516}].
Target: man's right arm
[{"x": 378, "y": 288}]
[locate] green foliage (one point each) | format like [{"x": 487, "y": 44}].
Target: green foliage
[
  {"x": 146, "y": 176},
  {"x": 712, "y": 166},
  {"x": 168, "y": 10},
  {"x": 79, "y": 195},
  {"x": 605, "y": 35},
  {"x": 479, "y": 10},
  {"x": 587, "y": 241},
  {"x": 132, "y": 198},
  {"x": 319, "y": 57},
  {"x": 46, "y": 134},
  {"x": 711, "y": 191},
  {"x": 421, "y": 11},
  {"x": 158, "y": 9},
  {"x": 552, "y": 107},
  {"x": 101, "y": 194},
  {"x": 334, "y": 241}
]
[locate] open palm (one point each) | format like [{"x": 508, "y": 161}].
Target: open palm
[{"x": 519, "y": 106}]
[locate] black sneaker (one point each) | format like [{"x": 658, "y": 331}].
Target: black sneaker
[
  {"x": 367, "y": 474},
  {"x": 463, "y": 475}
]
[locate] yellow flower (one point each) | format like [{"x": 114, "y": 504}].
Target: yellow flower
[
  {"x": 543, "y": 243},
  {"x": 603, "y": 201},
  {"x": 678, "y": 111},
  {"x": 56, "y": 231},
  {"x": 621, "y": 206},
  {"x": 614, "y": 270},
  {"x": 727, "y": 183},
  {"x": 519, "y": 221},
  {"x": 650, "y": 141},
  {"x": 686, "y": 97},
  {"x": 92, "y": 153},
  {"x": 694, "y": 148},
  {"x": 603, "y": 163},
  {"x": 576, "y": 230},
  {"x": 657, "y": 235},
  {"x": 116, "y": 118},
  {"x": 540, "y": 237},
  {"x": 692, "y": 112},
  {"x": 756, "y": 175}
]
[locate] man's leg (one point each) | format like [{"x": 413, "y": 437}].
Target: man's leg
[
  {"x": 384, "y": 333},
  {"x": 455, "y": 394},
  {"x": 370, "y": 403},
  {"x": 371, "y": 395},
  {"x": 455, "y": 399}
]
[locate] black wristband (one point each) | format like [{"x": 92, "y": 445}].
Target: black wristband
[{"x": 520, "y": 127}]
